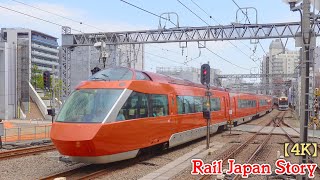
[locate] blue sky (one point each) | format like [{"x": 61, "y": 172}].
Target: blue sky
[{"x": 114, "y": 15}]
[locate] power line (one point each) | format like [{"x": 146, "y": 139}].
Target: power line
[
  {"x": 64, "y": 17},
  {"x": 37, "y": 18},
  {"x": 248, "y": 21},
  {"x": 220, "y": 24},
  {"x": 228, "y": 41},
  {"x": 164, "y": 58},
  {"x": 211, "y": 17},
  {"x": 226, "y": 59},
  {"x": 148, "y": 11},
  {"x": 164, "y": 49},
  {"x": 193, "y": 12}
]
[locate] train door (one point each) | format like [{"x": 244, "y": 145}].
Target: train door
[
  {"x": 173, "y": 112},
  {"x": 225, "y": 107},
  {"x": 229, "y": 110},
  {"x": 234, "y": 107}
]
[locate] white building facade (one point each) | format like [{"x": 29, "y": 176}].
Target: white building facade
[
  {"x": 20, "y": 49},
  {"x": 279, "y": 61}
]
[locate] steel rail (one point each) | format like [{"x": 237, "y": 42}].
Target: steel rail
[
  {"x": 293, "y": 141},
  {"x": 241, "y": 147},
  {"x": 25, "y": 151},
  {"x": 265, "y": 141},
  {"x": 69, "y": 173}
]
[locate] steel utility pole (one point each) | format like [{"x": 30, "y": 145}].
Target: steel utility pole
[{"x": 305, "y": 68}]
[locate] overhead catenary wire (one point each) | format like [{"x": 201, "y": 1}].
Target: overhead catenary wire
[
  {"x": 208, "y": 48},
  {"x": 56, "y": 14},
  {"x": 154, "y": 14},
  {"x": 226, "y": 59},
  {"x": 211, "y": 17},
  {"x": 248, "y": 21},
  {"x": 164, "y": 58},
  {"x": 41, "y": 19},
  {"x": 193, "y": 12}
]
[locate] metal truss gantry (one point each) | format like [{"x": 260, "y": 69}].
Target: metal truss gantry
[
  {"x": 239, "y": 76},
  {"x": 65, "y": 72},
  {"x": 181, "y": 34},
  {"x": 190, "y": 34}
]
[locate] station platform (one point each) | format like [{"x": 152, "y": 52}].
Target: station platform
[{"x": 16, "y": 130}]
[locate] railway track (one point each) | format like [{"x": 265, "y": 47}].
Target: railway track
[
  {"x": 276, "y": 123},
  {"x": 293, "y": 141},
  {"x": 26, "y": 151},
  {"x": 232, "y": 152},
  {"x": 81, "y": 173}
]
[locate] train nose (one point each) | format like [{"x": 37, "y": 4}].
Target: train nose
[{"x": 74, "y": 139}]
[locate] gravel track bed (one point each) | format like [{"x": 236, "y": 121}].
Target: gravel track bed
[
  {"x": 267, "y": 155},
  {"x": 33, "y": 167},
  {"x": 41, "y": 165},
  {"x": 264, "y": 119}
]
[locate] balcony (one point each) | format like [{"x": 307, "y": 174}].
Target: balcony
[
  {"x": 40, "y": 61},
  {"x": 44, "y": 48},
  {"x": 44, "y": 55},
  {"x": 44, "y": 41}
]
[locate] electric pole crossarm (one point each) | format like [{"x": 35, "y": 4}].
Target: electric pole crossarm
[{"x": 189, "y": 34}]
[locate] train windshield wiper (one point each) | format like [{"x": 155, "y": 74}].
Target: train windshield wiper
[
  {"x": 106, "y": 76},
  {"x": 98, "y": 78}
]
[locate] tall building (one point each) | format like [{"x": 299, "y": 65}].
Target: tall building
[
  {"x": 20, "y": 49},
  {"x": 85, "y": 58},
  {"x": 189, "y": 73},
  {"x": 279, "y": 61},
  {"x": 42, "y": 48}
]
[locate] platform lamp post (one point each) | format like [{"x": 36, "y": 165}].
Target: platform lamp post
[{"x": 306, "y": 42}]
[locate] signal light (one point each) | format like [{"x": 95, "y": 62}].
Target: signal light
[
  {"x": 205, "y": 74},
  {"x": 46, "y": 80}
]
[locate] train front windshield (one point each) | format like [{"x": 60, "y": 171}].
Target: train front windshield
[
  {"x": 283, "y": 102},
  {"x": 88, "y": 105}
]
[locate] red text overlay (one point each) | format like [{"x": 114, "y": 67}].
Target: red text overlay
[{"x": 282, "y": 167}]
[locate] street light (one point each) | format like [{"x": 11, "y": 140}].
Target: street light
[{"x": 292, "y": 3}]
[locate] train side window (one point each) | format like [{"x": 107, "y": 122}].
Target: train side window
[
  {"x": 135, "y": 107},
  {"x": 159, "y": 105},
  {"x": 188, "y": 102},
  {"x": 180, "y": 104},
  {"x": 215, "y": 104},
  {"x": 198, "y": 104},
  {"x": 239, "y": 103}
]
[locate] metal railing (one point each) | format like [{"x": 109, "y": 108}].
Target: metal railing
[{"x": 18, "y": 134}]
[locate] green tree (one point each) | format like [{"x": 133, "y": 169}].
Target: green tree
[{"x": 36, "y": 77}]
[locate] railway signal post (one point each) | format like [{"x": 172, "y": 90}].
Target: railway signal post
[
  {"x": 48, "y": 87},
  {"x": 205, "y": 80}
]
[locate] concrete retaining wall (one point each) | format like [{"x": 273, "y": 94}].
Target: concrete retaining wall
[{"x": 37, "y": 99}]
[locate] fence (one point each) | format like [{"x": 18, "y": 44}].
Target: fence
[{"x": 18, "y": 134}]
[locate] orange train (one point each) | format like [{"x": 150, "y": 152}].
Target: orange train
[{"x": 120, "y": 111}]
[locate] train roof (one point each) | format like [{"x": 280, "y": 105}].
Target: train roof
[{"x": 155, "y": 77}]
